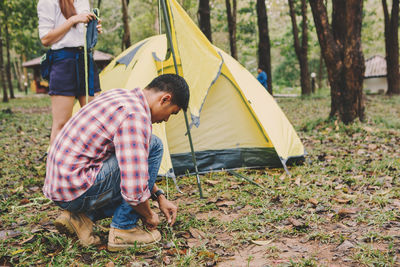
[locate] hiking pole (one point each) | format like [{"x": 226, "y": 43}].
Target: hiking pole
[{"x": 169, "y": 35}]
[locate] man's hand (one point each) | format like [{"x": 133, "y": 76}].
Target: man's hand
[
  {"x": 152, "y": 221},
  {"x": 149, "y": 218},
  {"x": 168, "y": 208}
]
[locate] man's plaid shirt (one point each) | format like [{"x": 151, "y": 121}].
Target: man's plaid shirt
[{"x": 118, "y": 121}]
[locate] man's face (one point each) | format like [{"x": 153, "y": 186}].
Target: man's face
[
  {"x": 259, "y": 70},
  {"x": 163, "y": 109}
]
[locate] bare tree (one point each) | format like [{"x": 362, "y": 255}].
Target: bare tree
[
  {"x": 301, "y": 49},
  {"x": 392, "y": 47},
  {"x": 231, "y": 12},
  {"x": 344, "y": 59},
  {"x": 126, "y": 39},
  {"x": 320, "y": 70},
  {"x": 204, "y": 18},
  {"x": 17, "y": 71},
  {"x": 8, "y": 63},
  {"x": 264, "y": 46},
  {"x": 2, "y": 72}
]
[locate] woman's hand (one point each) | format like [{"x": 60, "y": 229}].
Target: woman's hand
[
  {"x": 82, "y": 18},
  {"x": 99, "y": 27}
]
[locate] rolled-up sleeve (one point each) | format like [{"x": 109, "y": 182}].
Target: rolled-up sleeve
[
  {"x": 86, "y": 7},
  {"x": 131, "y": 143},
  {"x": 46, "y": 12}
]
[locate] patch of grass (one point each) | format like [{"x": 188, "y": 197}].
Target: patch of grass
[
  {"x": 351, "y": 167},
  {"x": 369, "y": 256},
  {"x": 374, "y": 236},
  {"x": 307, "y": 262},
  {"x": 322, "y": 236}
]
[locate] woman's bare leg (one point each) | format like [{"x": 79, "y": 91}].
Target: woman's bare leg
[
  {"x": 82, "y": 99},
  {"x": 61, "y": 109}
]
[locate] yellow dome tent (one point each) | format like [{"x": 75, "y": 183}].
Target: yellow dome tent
[{"x": 234, "y": 121}]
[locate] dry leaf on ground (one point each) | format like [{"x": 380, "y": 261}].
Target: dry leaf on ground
[
  {"x": 211, "y": 182},
  {"x": 262, "y": 242},
  {"x": 345, "y": 246},
  {"x": 313, "y": 201},
  {"x": 167, "y": 260},
  {"x": 196, "y": 233},
  {"x": 298, "y": 180},
  {"x": 342, "y": 201},
  {"x": 297, "y": 223},
  {"x": 347, "y": 211},
  {"x": 225, "y": 203},
  {"x": 174, "y": 252},
  {"x": 6, "y": 234}
]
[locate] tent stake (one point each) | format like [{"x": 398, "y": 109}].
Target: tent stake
[
  {"x": 238, "y": 175},
  {"x": 168, "y": 28}
]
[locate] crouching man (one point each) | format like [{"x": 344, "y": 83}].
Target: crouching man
[{"x": 105, "y": 161}]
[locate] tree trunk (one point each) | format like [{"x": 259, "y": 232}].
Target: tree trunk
[
  {"x": 25, "y": 75},
  {"x": 98, "y": 4},
  {"x": 2, "y": 72},
  {"x": 231, "y": 15},
  {"x": 17, "y": 74},
  {"x": 126, "y": 39},
  {"x": 320, "y": 70},
  {"x": 392, "y": 47},
  {"x": 344, "y": 60},
  {"x": 301, "y": 50},
  {"x": 264, "y": 46},
  {"x": 204, "y": 18},
  {"x": 8, "y": 64}
]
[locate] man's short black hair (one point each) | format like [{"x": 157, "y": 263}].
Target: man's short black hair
[
  {"x": 174, "y": 84},
  {"x": 261, "y": 67}
]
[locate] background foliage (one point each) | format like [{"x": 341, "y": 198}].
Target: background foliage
[{"x": 143, "y": 15}]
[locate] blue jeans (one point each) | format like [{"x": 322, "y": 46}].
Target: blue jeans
[{"x": 103, "y": 199}]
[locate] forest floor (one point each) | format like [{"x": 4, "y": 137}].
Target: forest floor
[{"x": 341, "y": 208}]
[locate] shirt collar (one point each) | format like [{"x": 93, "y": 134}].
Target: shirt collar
[{"x": 139, "y": 93}]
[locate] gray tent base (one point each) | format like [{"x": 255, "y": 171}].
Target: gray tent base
[{"x": 230, "y": 159}]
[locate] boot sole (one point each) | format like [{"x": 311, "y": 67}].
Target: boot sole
[{"x": 119, "y": 247}]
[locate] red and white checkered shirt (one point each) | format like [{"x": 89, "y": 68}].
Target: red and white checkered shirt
[{"x": 118, "y": 121}]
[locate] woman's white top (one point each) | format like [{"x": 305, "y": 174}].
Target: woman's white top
[{"x": 50, "y": 17}]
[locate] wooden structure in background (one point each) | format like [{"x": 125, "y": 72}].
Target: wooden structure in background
[
  {"x": 375, "y": 76},
  {"x": 41, "y": 87}
]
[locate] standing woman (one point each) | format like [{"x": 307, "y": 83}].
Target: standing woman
[{"x": 62, "y": 26}]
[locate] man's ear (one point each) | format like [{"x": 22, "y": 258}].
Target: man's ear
[{"x": 166, "y": 98}]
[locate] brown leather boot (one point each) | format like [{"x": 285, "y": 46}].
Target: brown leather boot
[
  {"x": 136, "y": 237},
  {"x": 79, "y": 224}
]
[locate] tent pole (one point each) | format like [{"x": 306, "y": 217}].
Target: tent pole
[{"x": 169, "y": 35}]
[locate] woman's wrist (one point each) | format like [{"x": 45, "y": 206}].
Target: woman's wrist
[{"x": 73, "y": 20}]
